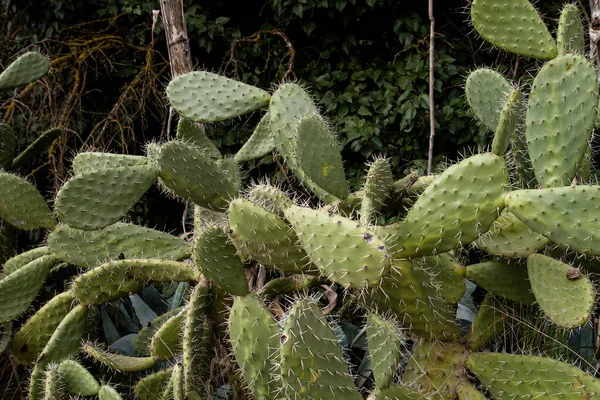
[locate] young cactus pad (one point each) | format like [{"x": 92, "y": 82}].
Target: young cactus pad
[
  {"x": 21, "y": 205},
  {"x": 206, "y": 97},
  {"x": 94, "y": 161},
  {"x": 570, "y": 37},
  {"x": 487, "y": 91},
  {"x": 260, "y": 143},
  {"x": 514, "y": 26}
]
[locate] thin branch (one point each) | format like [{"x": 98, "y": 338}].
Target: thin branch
[{"x": 431, "y": 88}]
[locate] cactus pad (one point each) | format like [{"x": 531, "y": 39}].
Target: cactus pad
[
  {"x": 25, "y": 69},
  {"x": 217, "y": 259},
  {"x": 94, "y": 161},
  {"x": 563, "y": 100},
  {"x": 505, "y": 280},
  {"x": 511, "y": 119},
  {"x": 265, "y": 237},
  {"x": 15, "y": 263},
  {"x": 120, "y": 278},
  {"x": 509, "y": 237},
  {"x": 567, "y": 302},
  {"x": 255, "y": 349},
  {"x": 108, "y": 393},
  {"x": 318, "y": 159},
  {"x": 510, "y": 376},
  {"x": 514, "y": 26},
  {"x": 206, "y": 97},
  {"x": 270, "y": 198},
  {"x": 151, "y": 385},
  {"x": 312, "y": 363},
  {"x": 92, "y": 248},
  {"x": 21, "y": 205},
  {"x": 143, "y": 339},
  {"x": 93, "y": 200},
  {"x": 117, "y": 362},
  {"x": 570, "y": 37},
  {"x": 165, "y": 342},
  {"x": 489, "y": 323},
  {"x": 260, "y": 143},
  {"x": 487, "y": 92},
  {"x": 455, "y": 208},
  {"x": 19, "y": 289},
  {"x": 31, "y": 339},
  {"x": 562, "y": 214},
  {"x": 39, "y": 146},
  {"x": 78, "y": 380},
  {"x": 411, "y": 293},
  {"x": 194, "y": 176},
  {"x": 190, "y": 132},
  {"x": 385, "y": 346},
  {"x": 343, "y": 251}
]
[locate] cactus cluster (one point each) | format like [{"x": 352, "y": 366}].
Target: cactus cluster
[{"x": 403, "y": 281}]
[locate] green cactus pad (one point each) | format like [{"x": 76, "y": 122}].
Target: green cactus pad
[
  {"x": 177, "y": 383},
  {"x": 108, "y": 393},
  {"x": 94, "y": 161},
  {"x": 78, "y": 380},
  {"x": 377, "y": 189},
  {"x": 117, "y": 362},
  {"x": 19, "y": 289},
  {"x": 53, "y": 385},
  {"x": 260, "y": 143},
  {"x": 515, "y": 27},
  {"x": 456, "y": 207},
  {"x": 318, "y": 160},
  {"x": 255, "y": 349},
  {"x": 17, "y": 262},
  {"x": 448, "y": 273},
  {"x": 25, "y": 69},
  {"x": 585, "y": 165},
  {"x": 92, "y": 248},
  {"x": 21, "y": 205},
  {"x": 190, "y": 132},
  {"x": 396, "y": 392},
  {"x": 436, "y": 368},
  {"x": 520, "y": 154},
  {"x": 489, "y": 322},
  {"x": 216, "y": 258},
  {"x": 197, "y": 340},
  {"x": 509, "y": 237},
  {"x": 165, "y": 343},
  {"x": 93, "y": 200},
  {"x": 505, "y": 280},
  {"x": 143, "y": 339},
  {"x": 385, "y": 346},
  {"x": 270, "y": 198},
  {"x": 344, "y": 252},
  {"x": 312, "y": 363},
  {"x": 265, "y": 237},
  {"x": 63, "y": 344},
  {"x": 411, "y": 293},
  {"x": 37, "y": 148},
  {"x": 194, "y": 176},
  {"x": 567, "y": 301},
  {"x": 563, "y": 215},
  {"x": 8, "y": 146},
  {"x": 151, "y": 385},
  {"x": 510, "y": 376},
  {"x": 510, "y": 120},
  {"x": 6, "y": 332},
  {"x": 289, "y": 104},
  {"x": 31, "y": 339},
  {"x": 206, "y": 97},
  {"x": 487, "y": 92},
  {"x": 563, "y": 100},
  {"x": 120, "y": 278},
  {"x": 570, "y": 37}
]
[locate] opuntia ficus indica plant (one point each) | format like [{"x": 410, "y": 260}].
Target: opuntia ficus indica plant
[{"x": 261, "y": 258}]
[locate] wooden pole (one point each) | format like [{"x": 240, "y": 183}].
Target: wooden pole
[
  {"x": 594, "y": 29},
  {"x": 431, "y": 88},
  {"x": 178, "y": 43}
]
